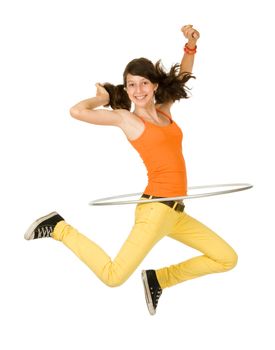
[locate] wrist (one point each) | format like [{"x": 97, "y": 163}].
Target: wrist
[
  {"x": 191, "y": 44},
  {"x": 103, "y": 99},
  {"x": 190, "y": 50}
]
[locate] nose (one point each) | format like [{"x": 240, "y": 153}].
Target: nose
[{"x": 138, "y": 88}]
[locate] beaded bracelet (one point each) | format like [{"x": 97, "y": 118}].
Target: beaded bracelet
[{"x": 190, "y": 51}]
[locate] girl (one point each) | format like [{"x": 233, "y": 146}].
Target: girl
[{"x": 151, "y": 130}]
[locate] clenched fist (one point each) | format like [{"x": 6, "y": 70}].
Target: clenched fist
[{"x": 190, "y": 33}]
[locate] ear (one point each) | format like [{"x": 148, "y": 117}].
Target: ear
[{"x": 156, "y": 87}]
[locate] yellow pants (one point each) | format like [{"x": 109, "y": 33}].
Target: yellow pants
[{"x": 153, "y": 221}]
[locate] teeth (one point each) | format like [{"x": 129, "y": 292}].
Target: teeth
[{"x": 140, "y": 97}]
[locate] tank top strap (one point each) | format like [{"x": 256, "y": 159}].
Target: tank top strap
[{"x": 165, "y": 114}]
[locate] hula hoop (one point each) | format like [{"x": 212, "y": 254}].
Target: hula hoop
[{"x": 237, "y": 188}]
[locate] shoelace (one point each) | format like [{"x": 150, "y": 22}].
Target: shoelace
[
  {"x": 44, "y": 231},
  {"x": 156, "y": 299}
]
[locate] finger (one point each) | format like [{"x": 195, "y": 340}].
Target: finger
[
  {"x": 196, "y": 35},
  {"x": 186, "y": 27},
  {"x": 99, "y": 86},
  {"x": 192, "y": 34},
  {"x": 188, "y": 33}
]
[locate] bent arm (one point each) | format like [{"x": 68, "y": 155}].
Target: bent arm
[
  {"x": 187, "y": 61},
  {"x": 90, "y": 103},
  {"x": 87, "y": 111}
]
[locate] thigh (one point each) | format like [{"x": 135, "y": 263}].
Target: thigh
[
  {"x": 198, "y": 236},
  {"x": 151, "y": 224}
]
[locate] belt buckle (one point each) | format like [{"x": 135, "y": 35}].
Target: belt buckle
[
  {"x": 179, "y": 207},
  {"x": 175, "y": 206}
]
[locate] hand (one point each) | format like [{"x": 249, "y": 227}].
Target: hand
[
  {"x": 191, "y": 34},
  {"x": 102, "y": 93}
]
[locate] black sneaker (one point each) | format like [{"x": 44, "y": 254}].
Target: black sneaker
[
  {"x": 43, "y": 227},
  {"x": 152, "y": 290}
]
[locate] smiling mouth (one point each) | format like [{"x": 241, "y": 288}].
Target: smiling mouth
[{"x": 140, "y": 97}]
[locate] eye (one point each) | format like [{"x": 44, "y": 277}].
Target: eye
[{"x": 129, "y": 85}]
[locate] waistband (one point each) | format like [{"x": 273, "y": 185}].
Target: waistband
[{"x": 177, "y": 206}]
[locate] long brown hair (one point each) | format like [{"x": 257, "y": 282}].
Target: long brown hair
[{"x": 171, "y": 85}]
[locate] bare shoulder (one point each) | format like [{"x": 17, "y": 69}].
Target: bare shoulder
[
  {"x": 127, "y": 118},
  {"x": 130, "y": 124}
]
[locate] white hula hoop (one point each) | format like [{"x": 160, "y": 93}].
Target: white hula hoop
[{"x": 235, "y": 187}]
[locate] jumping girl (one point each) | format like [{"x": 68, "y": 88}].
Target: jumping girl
[{"x": 149, "y": 91}]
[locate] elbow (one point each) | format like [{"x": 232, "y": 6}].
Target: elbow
[{"x": 75, "y": 113}]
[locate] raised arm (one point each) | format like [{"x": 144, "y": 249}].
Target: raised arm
[
  {"x": 192, "y": 35},
  {"x": 87, "y": 111}
]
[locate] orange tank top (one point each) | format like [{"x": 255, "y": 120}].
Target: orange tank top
[{"x": 160, "y": 148}]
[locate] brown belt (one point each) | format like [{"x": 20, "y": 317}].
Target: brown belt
[{"x": 172, "y": 204}]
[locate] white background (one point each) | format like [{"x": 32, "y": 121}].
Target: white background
[{"x": 52, "y": 54}]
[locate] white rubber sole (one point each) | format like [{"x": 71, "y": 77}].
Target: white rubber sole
[
  {"x": 30, "y": 232},
  {"x": 148, "y": 297}
]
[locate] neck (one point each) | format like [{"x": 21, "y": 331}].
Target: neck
[{"x": 148, "y": 112}]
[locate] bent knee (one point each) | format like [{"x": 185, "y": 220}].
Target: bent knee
[
  {"x": 113, "y": 275},
  {"x": 231, "y": 261},
  {"x": 112, "y": 279},
  {"x": 114, "y": 283}
]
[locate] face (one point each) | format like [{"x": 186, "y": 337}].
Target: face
[{"x": 140, "y": 90}]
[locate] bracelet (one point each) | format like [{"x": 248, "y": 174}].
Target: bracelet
[{"x": 190, "y": 51}]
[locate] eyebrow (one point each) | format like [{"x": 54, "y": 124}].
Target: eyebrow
[{"x": 133, "y": 81}]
